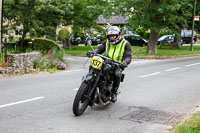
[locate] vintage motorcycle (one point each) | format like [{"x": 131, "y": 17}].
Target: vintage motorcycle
[
  {"x": 92, "y": 41},
  {"x": 73, "y": 40},
  {"x": 96, "y": 87}
]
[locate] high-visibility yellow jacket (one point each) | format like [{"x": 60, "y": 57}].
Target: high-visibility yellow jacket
[{"x": 116, "y": 51}]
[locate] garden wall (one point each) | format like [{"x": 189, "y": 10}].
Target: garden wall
[{"x": 19, "y": 63}]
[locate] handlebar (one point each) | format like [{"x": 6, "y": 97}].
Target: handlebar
[{"x": 105, "y": 58}]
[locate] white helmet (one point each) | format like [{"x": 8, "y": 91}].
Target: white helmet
[{"x": 114, "y": 30}]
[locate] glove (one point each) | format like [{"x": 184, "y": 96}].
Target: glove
[
  {"x": 90, "y": 53},
  {"x": 123, "y": 65}
]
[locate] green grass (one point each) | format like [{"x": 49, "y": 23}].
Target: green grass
[
  {"x": 167, "y": 51},
  {"x": 198, "y": 41},
  {"x": 192, "y": 125},
  {"x": 79, "y": 50},
  {"x": 139, "y": 52}
]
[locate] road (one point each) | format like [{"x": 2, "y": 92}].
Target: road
[{"x": 154, "y": 96}]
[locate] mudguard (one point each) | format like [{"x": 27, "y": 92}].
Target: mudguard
[{"x": 88, "y": 78}]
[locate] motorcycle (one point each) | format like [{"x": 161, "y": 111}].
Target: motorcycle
[
  {"x": 96, "y": 86},
  {"x": 73, "y": 40},
  {"x": 92, "y": 41}
]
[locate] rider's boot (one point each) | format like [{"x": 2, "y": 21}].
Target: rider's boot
[{"x": 114, "y": 95}]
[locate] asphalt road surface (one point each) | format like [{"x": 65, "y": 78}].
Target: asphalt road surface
[{"x": 155, "y": 95}]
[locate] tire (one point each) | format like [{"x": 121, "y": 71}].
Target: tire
[{"x": 80, "y": 102}]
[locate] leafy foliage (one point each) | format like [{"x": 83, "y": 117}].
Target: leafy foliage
[
  {"x": 41, "y": 44},
  {"x": 21, "y": 14},
  {"x": 51, "y": 62},
  {"x": 63, "y": 34},
  {"x": 85, "y": 14},
  {"x": 49, "y": 15},
  {"x": 156, "y": 16},
  {"x": 44, "y": 44},
  {"x": 37, "y": 17}
]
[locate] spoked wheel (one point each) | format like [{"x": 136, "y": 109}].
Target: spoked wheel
[{"x": 81, "y": 101}]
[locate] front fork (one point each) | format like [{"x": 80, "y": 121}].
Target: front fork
[{"x": 93, "y": 80}]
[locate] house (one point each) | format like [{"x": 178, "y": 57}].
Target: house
[{"x": 118, "y": 20}]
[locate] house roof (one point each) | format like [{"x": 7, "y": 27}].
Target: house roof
[{"x": 118, "y": 20}]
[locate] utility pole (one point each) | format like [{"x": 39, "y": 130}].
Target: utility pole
[{"x": 191, "y": 46}]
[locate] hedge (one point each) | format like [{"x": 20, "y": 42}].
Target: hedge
[{"x": 42, "y": 44}]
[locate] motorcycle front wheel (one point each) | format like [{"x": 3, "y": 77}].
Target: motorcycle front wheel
[{"x": 81, "y": 101}]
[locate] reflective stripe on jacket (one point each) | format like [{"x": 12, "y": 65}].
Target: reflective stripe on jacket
[{"x": 116, "y": 51}]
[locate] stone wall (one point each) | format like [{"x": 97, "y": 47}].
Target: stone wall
[{"x": 19, "y": 63}]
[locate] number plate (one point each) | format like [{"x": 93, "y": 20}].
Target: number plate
[{"x": 97, "y": 62}]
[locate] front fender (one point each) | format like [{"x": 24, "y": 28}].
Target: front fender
[{"x": 88, "y": 78}]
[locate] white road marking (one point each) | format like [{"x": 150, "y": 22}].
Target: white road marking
[
  {"x": 24, "y": 101},
  {"x": 192, "y": 64},
  {"x": 143, "y": 76},
  {"x": 75, "y": 89},
  {"x": 138, "y": 61},
  {"x": 173, "y": 69}
]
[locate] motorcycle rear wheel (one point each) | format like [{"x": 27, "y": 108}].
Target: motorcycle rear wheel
[{"x": 80, "y": 101}]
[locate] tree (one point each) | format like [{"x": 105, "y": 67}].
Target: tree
[
  {"x": 50, "y": 14},
  {"x": 156, "y": 15},
  {"x": 85, "y": 14},
  {"x": 20, "y": 13},
  {"x": 38, "y": 18},
  {"x": 63, "y": 36}
]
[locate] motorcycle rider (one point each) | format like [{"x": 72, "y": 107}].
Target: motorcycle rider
[{"x": 119, "y": 50}]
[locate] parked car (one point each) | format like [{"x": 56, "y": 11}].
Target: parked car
[
  {"x": 135, "y": 40},
  {"x": 166, "y": 39},
  {"x": 186, "y": 36}
]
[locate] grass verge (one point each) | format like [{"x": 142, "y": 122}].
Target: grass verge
[
  {"x": 169, "y": 52},
  {"x": 191, "y": 125},
  {"x": 79, "y": 50},
  {"x": 139, "y": 52}
]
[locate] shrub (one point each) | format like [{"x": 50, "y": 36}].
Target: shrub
[
  {"x": 146, "y": 35},
  {"x": 63, "y": 34},
  {"x": 198, "y": 36},
  {"x": 44, "y": 44},
  {"x": 41, "y": 44},
  {"x": 51, "y": 61}
]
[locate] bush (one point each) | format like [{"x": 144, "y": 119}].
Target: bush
[
  {"x": 51, "y": 62},
  {"x": 146, "y": 35},
  {"x": 198, "y": 36},
  {"x": 63, "y": 34},
  {"x": 44, "y": 44},
  {"x": 41, "y": 44}
]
